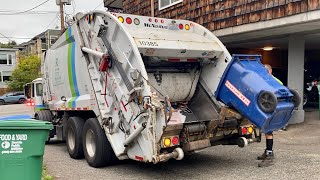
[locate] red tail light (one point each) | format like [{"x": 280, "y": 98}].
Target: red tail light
[
  {"x": 128, "y": 20},
  {"x": 175, "y": 140},
  {"x": 181, "y": 26},
  {"x": 244, "y": 130}
]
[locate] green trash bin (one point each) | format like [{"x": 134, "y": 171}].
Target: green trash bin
[{"x": 21, "y": 148}]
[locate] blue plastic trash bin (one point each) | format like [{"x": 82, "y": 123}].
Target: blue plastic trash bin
[{"x": 249, "y": 88}]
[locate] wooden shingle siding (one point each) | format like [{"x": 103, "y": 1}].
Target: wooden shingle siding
[{"x": 219, "y": 14}]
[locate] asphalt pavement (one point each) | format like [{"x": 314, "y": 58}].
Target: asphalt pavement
[{"x": 296, "y": 150}]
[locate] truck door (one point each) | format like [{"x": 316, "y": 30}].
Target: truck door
[{"x": 38, "y": 93}]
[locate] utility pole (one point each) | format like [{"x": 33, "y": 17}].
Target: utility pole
[
  {"x": 62, "y": 17},
  {"x": 61, "y": 4}
]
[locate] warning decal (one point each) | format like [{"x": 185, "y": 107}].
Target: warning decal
[{"x": 236, "y": 92}]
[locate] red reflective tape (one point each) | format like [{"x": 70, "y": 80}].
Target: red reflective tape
[
  {"x": 237, "y": 93},
  {"x": 174, "y": 60},
  {"x": 85, "y": 108},
  {"x": 73, "y": 108},
  {"x": 192, "y": 60},
  {"x": 78, "y": 108},
  {"x": 67, "y": 108},
  {"x": 139, "y": 158},
  {"x": 58, "y": 109},
  {"x": 124, "y": 107}
]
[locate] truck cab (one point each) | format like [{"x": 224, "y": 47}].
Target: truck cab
[{"x": 34, "y": 94}]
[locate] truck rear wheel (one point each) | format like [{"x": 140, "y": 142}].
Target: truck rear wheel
[
  {"x": 97, "y": 149},
  {"x": 46, "y": 115},
  {"x": 74, "y": 137}
]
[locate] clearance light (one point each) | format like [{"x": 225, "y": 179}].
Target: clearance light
[
  {"x": 267, "y": 48},
  {"x": 167, "y": 142},
  {"x": 136, "y": 21},
  {"x": 162, "y": 21},
  {"x": 156, "y": 20},
  {"x": 250, "y": 130},
  {"x": 181, "y": 26},
  {"x": 128, "y": 20},
  {"x": 244, "y": 130},
  {"x": 150, "y": 20},
  {"x": 121, "y": 19},
  {"x": 187, "y": 27},
  {"x": 175, "y": 140}
]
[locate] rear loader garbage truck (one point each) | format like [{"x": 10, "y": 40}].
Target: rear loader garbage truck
[{"x": 120, "y": 86}]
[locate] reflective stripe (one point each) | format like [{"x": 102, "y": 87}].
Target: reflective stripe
[{"x": 72, "y": 69}]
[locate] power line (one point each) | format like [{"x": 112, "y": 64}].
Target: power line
[
  {"x": 30, "y": 13},
  {"x": 6, "y": 37},
  {"x": 102, "y": 3},
  {"x": 21, "y": 12},
  {"x": 51, "y": 22},
  {"x": 16, "y": 38},
  {"x": 16, "y": 11}
]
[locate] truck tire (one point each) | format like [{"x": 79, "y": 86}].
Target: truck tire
[
  {"x": 74, "y": 137},
  {"x": 97, "y": 149},
  {"x": 46, "y": 115},
  {"x": 267, "y": 101}
]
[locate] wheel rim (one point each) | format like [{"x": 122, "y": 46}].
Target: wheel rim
[
  {"x": 90, "y": 143},
  {"x": 21, "y": 101},
  {"x": 71, "y": 139},
  {"x": 267, "y": 101}
]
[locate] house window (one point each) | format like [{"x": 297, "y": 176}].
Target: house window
[
  {"x": 167, "y": 3},
  {"x": 53, "y": 39},
  {"x": 9, "y": 59},
  {"x": 6, "y": 76},
  {"x": 6, "y": 59},
  {"x": 3, "y": 59}
]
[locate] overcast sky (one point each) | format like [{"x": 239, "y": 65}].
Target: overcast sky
[{"x": 29, "y": 25}]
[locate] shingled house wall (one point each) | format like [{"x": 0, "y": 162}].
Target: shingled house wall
[{"x": 219, "y": 14}]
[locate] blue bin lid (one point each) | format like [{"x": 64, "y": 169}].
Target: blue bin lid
[{"x": 16, "y": 117}]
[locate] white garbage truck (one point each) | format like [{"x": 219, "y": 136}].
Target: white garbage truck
[{"x": 120, "y": 86}]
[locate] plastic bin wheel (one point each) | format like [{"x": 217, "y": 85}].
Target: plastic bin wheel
[
  {"x": 267, "y": 101},
  {"x": 296, "y": 99}
]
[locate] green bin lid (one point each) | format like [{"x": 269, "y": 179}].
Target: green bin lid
[{"x": 25, "y": 124}]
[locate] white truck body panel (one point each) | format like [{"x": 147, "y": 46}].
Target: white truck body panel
[{"x": 131, "y": 99}]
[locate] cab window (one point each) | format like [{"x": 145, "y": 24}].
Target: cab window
[{"x": 39, "y": 89}]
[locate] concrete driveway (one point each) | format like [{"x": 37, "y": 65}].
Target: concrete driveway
[{"x": 297, "y": 157}]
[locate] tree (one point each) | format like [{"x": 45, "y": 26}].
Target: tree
[
  {"x": 27, "y": 70},
  {"x": 10, "y": 44}
]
